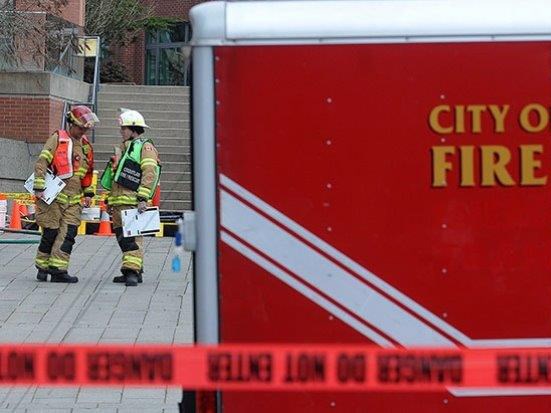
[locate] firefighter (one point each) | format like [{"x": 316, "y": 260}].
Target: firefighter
[
  {"x": 131, "y": 177},
  {"x": 69, "y": 155}
]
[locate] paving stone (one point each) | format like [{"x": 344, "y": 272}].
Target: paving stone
[
  {"x": 143, "y": 393},
  {"x": 55, "y": 402},
  {"x": 100, "y": 408},
  {"x": 99, "y": 395},
  {"x": 129, "y": 333},
  {"x": 62, "y": 392},
  {"x": 21, "y": 317},
  {"x": 83, "y": 335}
]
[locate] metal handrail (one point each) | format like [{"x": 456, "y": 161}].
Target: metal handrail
[
  {"x": 93, "y": 100},
  {"x": 63, "y": 118},
  {"x": 95, "y": 84}
]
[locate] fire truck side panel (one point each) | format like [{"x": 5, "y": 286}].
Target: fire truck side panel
[{"x": 335, "y": 226}]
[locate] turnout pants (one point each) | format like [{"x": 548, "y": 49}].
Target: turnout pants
[
  {"x": 131, "y": 247},
  {"x": 59, "y": 224}
]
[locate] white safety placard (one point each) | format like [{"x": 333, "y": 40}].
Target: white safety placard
[
  {"x": 134, "y": 223},
  {"x": 54, "y": 186}
]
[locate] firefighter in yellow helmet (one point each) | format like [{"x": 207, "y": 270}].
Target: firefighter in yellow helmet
[
  {"x": 132, "y": 177},
  {"x": 69, "y": 155}
]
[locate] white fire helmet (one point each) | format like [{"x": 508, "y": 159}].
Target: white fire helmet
[{"x": 130, "y": 117}]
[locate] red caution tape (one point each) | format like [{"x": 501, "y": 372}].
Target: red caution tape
[{"x": 274, "y": 367}]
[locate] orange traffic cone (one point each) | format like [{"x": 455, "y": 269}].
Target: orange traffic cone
[
  {"x": 3, "y": 210},
  {"x": 23, "y": 211},
  {"x": 104, "y": 224},
  {"x": 15, "y": 220}
]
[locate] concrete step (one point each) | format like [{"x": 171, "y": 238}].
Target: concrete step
[
  {"x": 175, "y": 176},
  {"x": 176, "y": 195},
  {"x": 140, "y": 89},
  {"x": 142, "y": 105},
  {"x": 176, "y": 166},
  {"x": 101, "y": 158},
  {"x": 152, "y": 113},
  {"x": 112, "y": 133},
  {"x": 128, "y": 100},
  {"x": 162, "y": 145},
  {"x": 174, "y": 157},
  {"x": 176, "y": 205},
  {"x": 172, "y": 177},
  {"x": 176, "y": 179},
  {"x": 167, "y": 188},
  {"x": 167, "y": 110},
  {"x": 171, "y": 149},
  {"x": 111, "y": 123},
  {"x": 105, "y": 139}
]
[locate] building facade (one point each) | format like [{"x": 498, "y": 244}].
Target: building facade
[
  {"x": 160, "y": 57},
  {"x": 32, "y": 86},
  {"x": 35, "y": 83},
  {"x": 35, "y": 93}
]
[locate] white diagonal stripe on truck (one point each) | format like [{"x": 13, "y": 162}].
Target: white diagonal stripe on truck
[
  {"x": 314, "y": 268},
  {"x": 411, "y": 305},
  {"x": 304, "y": 290},
  {"x": 294, "y": 228}
]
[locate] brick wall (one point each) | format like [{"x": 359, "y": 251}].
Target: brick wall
[
  {"x": 132, "y": 57},
  {"x": 73, "y": 12},
  {"x": 32, "y": 58},
  {"x": 171, "y": 8},
  {"x": 28, "y": 118}
]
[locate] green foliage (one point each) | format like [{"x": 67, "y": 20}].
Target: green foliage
[
  {"x": 113, "y": 72},
  {"x": 157, "y": 23},
  {"x": 110, "y": 71},
  {"x": 116, "y": 21}
]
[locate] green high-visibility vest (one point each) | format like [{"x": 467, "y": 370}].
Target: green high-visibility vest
[{"x": 129, "y": 172}]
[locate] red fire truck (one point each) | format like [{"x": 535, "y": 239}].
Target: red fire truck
[{"x": 373, "y": 172}]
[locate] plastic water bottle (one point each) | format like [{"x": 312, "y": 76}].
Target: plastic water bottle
[{"x": 179, "y": 249}]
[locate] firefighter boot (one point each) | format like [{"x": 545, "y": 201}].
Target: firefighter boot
[
  {"x": 61, "y": 276},
  {"x": 42, "y": 275},
  {"x": 131, "y": 278},
  {"x": 122, "y": 278}
]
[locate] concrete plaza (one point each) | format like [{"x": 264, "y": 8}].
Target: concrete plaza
[{"x": 95, "y": 310}]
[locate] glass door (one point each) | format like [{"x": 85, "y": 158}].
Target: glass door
[{"x": 168, "y": 56}]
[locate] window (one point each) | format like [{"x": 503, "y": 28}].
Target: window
[
  {"x": 167, "y": 58},
  {"x": 6, "y": 39},
  {"x": 6, "y": 50}
]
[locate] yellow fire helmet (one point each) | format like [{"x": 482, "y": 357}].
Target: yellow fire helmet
[{"x": 130, "y": 117}]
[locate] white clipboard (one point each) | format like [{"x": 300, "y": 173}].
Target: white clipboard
[
  {"x": 54, "y": 186},
  {"x": 135, "y": 224}
]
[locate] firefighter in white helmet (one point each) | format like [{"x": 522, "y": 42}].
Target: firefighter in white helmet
[{"x": 131, "y": 176}]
